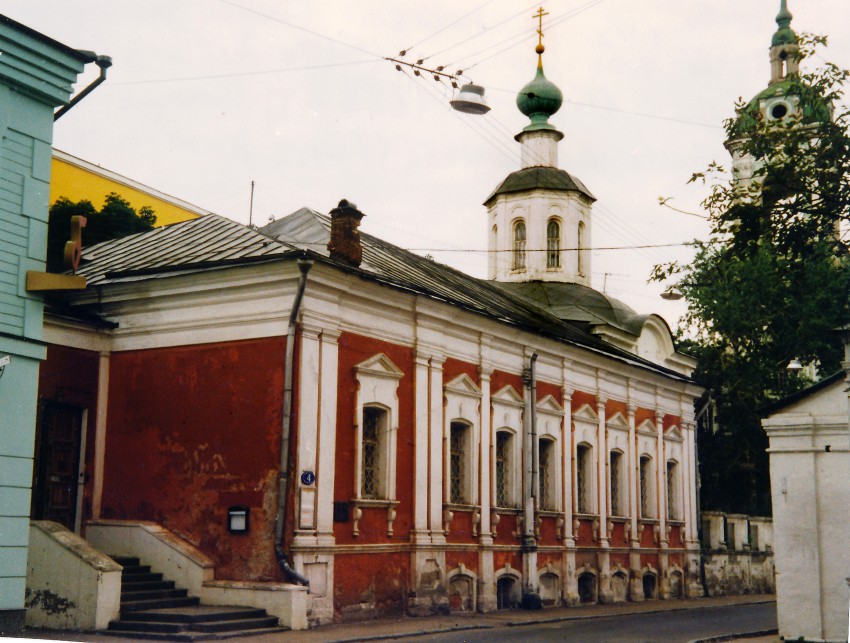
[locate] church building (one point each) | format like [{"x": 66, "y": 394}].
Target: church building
[{"x": 397, "y": 434}]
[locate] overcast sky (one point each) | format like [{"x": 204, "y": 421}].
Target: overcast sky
[{"x": 207, "y": 95}]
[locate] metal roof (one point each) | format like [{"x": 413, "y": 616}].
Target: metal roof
[
  {"x": 540, "y": 178},
  {"x": 212, "y": 242},
  {"x": 197, "y": 244},
  {"x": 395, "y": 266}
]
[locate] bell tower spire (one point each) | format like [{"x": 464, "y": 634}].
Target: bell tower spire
[
  {"x": 784, "y": 48},
  {"x": 540, "y": 215}
]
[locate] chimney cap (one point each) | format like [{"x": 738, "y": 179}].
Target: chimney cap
[{"x": 346, "y": 207}]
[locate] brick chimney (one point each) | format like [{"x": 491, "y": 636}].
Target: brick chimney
[{"x": 345, "y": 239}]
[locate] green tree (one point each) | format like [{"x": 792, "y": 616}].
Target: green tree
[
  {"x": 771, "y": 282},
  {"x": 116, "y": 219}
]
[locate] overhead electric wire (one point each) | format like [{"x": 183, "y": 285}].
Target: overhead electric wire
[
  {"x": 300, "y": 28},
  {"x": 448, "y": 26},
  {"x": 488, "y": 30},
  {"x": 519, "y": 37}
]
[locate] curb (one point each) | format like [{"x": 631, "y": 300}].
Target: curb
[
  {"x": 560, "y": 619},
  {"x": 400, "y": 635},
  {"x": 734, "y": 637}
]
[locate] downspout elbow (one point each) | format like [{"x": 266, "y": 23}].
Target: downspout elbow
[{"x": 104, "y": 63}]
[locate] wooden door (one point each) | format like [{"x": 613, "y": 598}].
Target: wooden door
[{"x": 57, "y": 466}]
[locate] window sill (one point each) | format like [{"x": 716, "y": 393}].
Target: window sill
[
  {"x": 649, "y": 521},
  {"x": 618, "y": 518},
  {"x": 549, "y": 513},
  {"x": 455, "y": 507},
  {"x": 507, "y": 510},
  {"x": 581, "y": 516},
  {"x": 373, "y": 502}
]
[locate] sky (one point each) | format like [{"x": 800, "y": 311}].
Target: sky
[{"x": 206, "y": 96}]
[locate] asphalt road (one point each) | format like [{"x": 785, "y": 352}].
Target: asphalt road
[{"x": 676, "y": 626}]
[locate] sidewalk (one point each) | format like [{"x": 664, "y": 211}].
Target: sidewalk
[{"x": 395, "y": 627}]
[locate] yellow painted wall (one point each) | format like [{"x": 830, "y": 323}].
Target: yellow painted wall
[{"x": 77, "y": 183}]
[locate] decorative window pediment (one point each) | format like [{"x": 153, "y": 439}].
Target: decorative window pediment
[
  {"x": 647, "y": 427},
  {"x": 550, "y": 405},
  {"x": 586, "y": 414},
  {"x": 508, "y": 395},
  {"x": 617, "y": 421},
  {"x": 673, "y": 433},
  {"x": 379, "y": 366},
  {"x": 463, "y": 385}
]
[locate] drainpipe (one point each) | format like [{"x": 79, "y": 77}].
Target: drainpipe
[
  {"x": 304, "y": 266},
  {"x": 104, "y": 62},
  {"x": 530, "y": 597}
]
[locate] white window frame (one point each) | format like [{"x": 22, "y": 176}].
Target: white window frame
[
  {"x": 621, "y": 501},
  {"x": 585, "y": 470},
  {"x": 550, "y": 419},
  {"x": 462, "y": 403},
  {"x": 648, "y": 510},
  {"x": 377, "y": 387},
  {"x": 507, "y": 409},
  {"x": 674, "y": 495},
  {"x": 519, "y": 247}
]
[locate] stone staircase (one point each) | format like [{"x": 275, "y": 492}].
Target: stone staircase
[{"x": 153, "y": 608}]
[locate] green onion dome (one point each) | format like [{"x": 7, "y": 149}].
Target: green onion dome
[{"x": 538, "y": 100}]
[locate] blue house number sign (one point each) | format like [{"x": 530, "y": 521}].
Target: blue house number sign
[{"x": 308, "y": 477}]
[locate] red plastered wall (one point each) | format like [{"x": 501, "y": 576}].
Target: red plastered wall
[{"x": 193, "y": 430}]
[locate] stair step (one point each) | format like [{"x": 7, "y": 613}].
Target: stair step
[
  {"x": 199, "y": 614},
  {"x": 240, "y": 625},
  {"x": 145, "y": 626},
  {"x": 124, "y": 561},
  {"x": 141, "y": 578},
  {"x": 158, "y": 636},
  {"x": 131, "y": 597},
  {"x": 143, "y": 586},
  {"x": 133, "y": 570},
  {"x": 158, "y": 603}
]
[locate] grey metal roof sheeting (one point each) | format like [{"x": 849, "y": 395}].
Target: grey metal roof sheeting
[
  {"x": 404, "y": 269},
  {"x": 208, "y": 241},
  {"x": 540, "y": 178},
  {"x": 212, "y": 242}
]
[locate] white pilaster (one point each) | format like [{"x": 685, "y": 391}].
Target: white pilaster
[
  {"x": 485, "y": 499},
  {"x": 421, "y": 443},
  {"x": 567, "y": 459},
  {"x": 435, "y": 438},
  {"x": 309, "y": 391},
  {"x": 602, "y": 473},
  {"x": 634, "y": 491},
  {"x": 661, "y": 479},
  {"x": 326, "y": 444},
  {"x": 100, "y": 432}
]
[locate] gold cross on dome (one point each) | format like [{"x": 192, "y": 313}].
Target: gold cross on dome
[{"x": 539, "y": 15}]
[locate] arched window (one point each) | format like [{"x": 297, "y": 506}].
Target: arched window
[
  {"x": 672, "y": 489},
  {"x": 553, "y": 244},
  {"x": 458, "y": 463},
  {"x": 584, "y": 478},
  {"x": 647, "y": 506},
  {"x": 519, "y": 246},
  {"x": 616, "y": 470},
  {"x": 580, "y": 248},
  {"x": 374, "y": 430},
  {"x": 504, "y": 470},
  {"x": 546, "y": 473}
]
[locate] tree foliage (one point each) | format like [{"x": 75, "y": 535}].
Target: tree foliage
[
  {"x": 771, "y": 282},
  {"x": 116, "y": 219}
]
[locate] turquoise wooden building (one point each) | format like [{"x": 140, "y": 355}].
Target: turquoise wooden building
[{"x": 36, "y": 76}]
